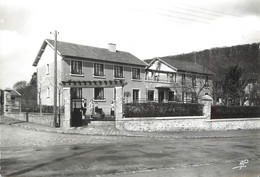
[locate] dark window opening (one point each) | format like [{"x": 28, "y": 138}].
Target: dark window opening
[
  {"x": 150, "y": 95},
  {"x": 99, "y": 94},
  {"x": 98, "y": 69},
  {"x": 171, "y": 96},
  {"x": 76, "y": 93},
  {"x": 76, "y": 67},
  {"x": 136, "y": 73},
  {"x": 118, "y": 72}
]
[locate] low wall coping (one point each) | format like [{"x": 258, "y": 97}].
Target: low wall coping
[
  {"x": 37, "y": 113},
  {"x": 162, "y": 118},
  {"x": 233, "y": 119}
]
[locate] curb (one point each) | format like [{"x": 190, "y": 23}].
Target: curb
[
  {"x": 73, "y": 132},
  {"x": 126, "y": 135}
]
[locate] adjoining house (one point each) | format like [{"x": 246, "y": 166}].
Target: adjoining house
[
  {"x": 171, "y": 79},
  {"x": 80, "y": 65}
]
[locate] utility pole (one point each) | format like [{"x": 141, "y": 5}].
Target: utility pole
[{"x": 55, "y": 81}]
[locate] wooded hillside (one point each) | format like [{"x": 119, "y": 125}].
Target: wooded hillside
[{"x": 219, "y": 59}]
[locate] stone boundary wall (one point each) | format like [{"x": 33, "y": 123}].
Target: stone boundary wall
[
  {"x": 234, "y": 124},
  {"x": 193, "y": 123},
  {"x": 45, "y": 118}
]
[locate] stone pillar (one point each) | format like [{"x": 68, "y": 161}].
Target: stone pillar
[
  {"x": 2, "y": 102},
  {"x": 65, "y": 120},
  {"x": 119, "y": 107},
  {"x": 7, "y": 98},
  {"x": 207, "y": 101}
]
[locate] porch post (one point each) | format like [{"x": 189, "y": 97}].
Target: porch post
[
  {"x": 65, "y": 120},
  {"x": 119, "y": 107}
]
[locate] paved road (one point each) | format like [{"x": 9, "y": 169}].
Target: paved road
[{"x": 34, "y": 153}]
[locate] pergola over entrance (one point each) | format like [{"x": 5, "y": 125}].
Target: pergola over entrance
[
  {"x": 93, "y": 84},
  {"x": 67, "y": 85}
]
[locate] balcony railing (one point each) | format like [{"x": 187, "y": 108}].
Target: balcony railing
[
  {"x": 155, "y": 100},
  {"x": 158, "y": 79}
]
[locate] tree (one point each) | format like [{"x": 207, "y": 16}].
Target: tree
[
  {"x": 254, "y": 93},
  {"x": 28, "y": 93},
  {"x": 193, "y": 89},
  {"x": 234, "y": 83},
  {"x": 33, "y": 80},
  {"x": 20, "y": 85}
]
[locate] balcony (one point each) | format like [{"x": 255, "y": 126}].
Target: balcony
[{"x": 158, "y": 79}]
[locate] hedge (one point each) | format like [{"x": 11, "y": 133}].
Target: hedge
[
  {"x": 162, "y": 109},
  {"x": 222, "y": 112}
]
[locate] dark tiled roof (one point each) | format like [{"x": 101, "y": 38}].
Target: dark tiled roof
[
  {"x": 185, "y": 65},
  {"x": 82, "y": 51},
  {"x": 148, "y": 61}
]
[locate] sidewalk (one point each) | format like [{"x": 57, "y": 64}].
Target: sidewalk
[{"x": 112, "y": 131}]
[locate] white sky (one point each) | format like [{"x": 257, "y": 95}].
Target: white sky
[{"x": 145, "y": 28}]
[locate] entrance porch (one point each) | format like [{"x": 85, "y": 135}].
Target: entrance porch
[{"x": 86, "y": 101}]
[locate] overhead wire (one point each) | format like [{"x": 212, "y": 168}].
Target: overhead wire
[
  {"x": 205, "y": 17},
  {"x": 167, "y": 15},
  {"x": 212, "y": 11}
]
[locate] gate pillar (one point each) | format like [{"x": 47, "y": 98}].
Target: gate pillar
[
  {"x": 65, "y": 120},
  {"x": 207, "y": 101},
  {"x": 119, "y": 107}
]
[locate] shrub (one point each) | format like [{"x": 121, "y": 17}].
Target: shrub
[
  {"x": 219, "y": 112},
  {"x": 162, "y": 109}
]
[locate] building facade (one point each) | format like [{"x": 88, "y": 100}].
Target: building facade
[
  {"x": 78, "y": 63},
  {"x": 171, "y": 80},
  {"x": 161, "y": 79}
]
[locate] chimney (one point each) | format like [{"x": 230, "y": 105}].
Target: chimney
[{"x": 112, "y": 47}]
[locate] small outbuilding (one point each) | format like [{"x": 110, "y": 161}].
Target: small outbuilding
[{"x": 11, "y": 100}]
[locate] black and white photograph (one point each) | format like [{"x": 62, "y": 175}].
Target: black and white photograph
[{"x": 130, "y": 88}]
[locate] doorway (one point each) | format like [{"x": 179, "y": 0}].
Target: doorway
[
  {"x": 135, "y": 95},
  {"x": 76, "y": 107},
  {"x": 161, "y": 96}
]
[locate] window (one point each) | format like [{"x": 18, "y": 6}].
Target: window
[
  {"x": 149, "y": 75},
  {"x": 48, "y": 92},
  {"x": 136, "y": 73},
  {"x": 76, "y": 67},
  {"x": 171, "y": 96},
  {"x": 183, "y": 79},
  {"x": 47, "y": 69},
  {"x": 207, "y": 81},
  {"x": 76, "y": 93},
  {"x": 150, "y": 95},
  {"x": 171, "y": 77},
  {"x": 99, "y": 93},
  {"x": 98, "y": 69},
  {"x": 135, "y": 95},
  {"x": 118, "y": 72},
  {"x": 194, "y": 80}
]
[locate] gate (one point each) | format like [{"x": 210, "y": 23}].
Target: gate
[
  {"x": 76, "y": 114},
  {"x": 76, "y": 107}
]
